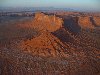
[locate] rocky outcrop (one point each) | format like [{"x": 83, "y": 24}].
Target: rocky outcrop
[
  {"x": 85, "y": 22},
  {"x": 44, "y": 45},
  {"x": 89, "y": 21},
  {"x": 45, "y": 22},
  {"x": 96, "y": 21},
  {"x": 76, "y": 23}
]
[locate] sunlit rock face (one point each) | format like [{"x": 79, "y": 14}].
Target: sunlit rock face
[
  {"x": 46, "y": 45},
  {"x": 96, "y": 21},
  {"x": 45, "y": 22},
  {"x": 85, "y": 22}
]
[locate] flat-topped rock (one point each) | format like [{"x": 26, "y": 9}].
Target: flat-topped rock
[{"x": 85, "y": 22}]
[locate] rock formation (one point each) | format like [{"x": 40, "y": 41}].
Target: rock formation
[
  {"x": 44, "y": 45},
  {"x": 45, "y": 22},
  {"x": 96, "y": 21},
  {"x": 85, "y": 22}
]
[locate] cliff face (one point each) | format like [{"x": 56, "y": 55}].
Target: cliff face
[
  {"x": 45, "y": 22},
  {"x": 89, "y": 22},
  {"x": 76, "y": 23},
  {"x": 85, "y": 22},
  {"x": 96, "y": 21}
]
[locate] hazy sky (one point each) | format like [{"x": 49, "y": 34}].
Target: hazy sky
[{"x": 51, "y": 3}]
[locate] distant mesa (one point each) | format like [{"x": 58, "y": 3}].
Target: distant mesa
[
  {"x": 89, "y": 22},
  {"x": 96, "y": 21},
  {"x": 85, "y": 22}
]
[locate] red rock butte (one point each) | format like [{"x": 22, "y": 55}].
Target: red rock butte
[
  {"x": 44, "y": 22},
  {"x": 85, "y": 22}
]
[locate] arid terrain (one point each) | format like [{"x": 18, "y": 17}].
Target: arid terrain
[{"x": 50, "y": 43}]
